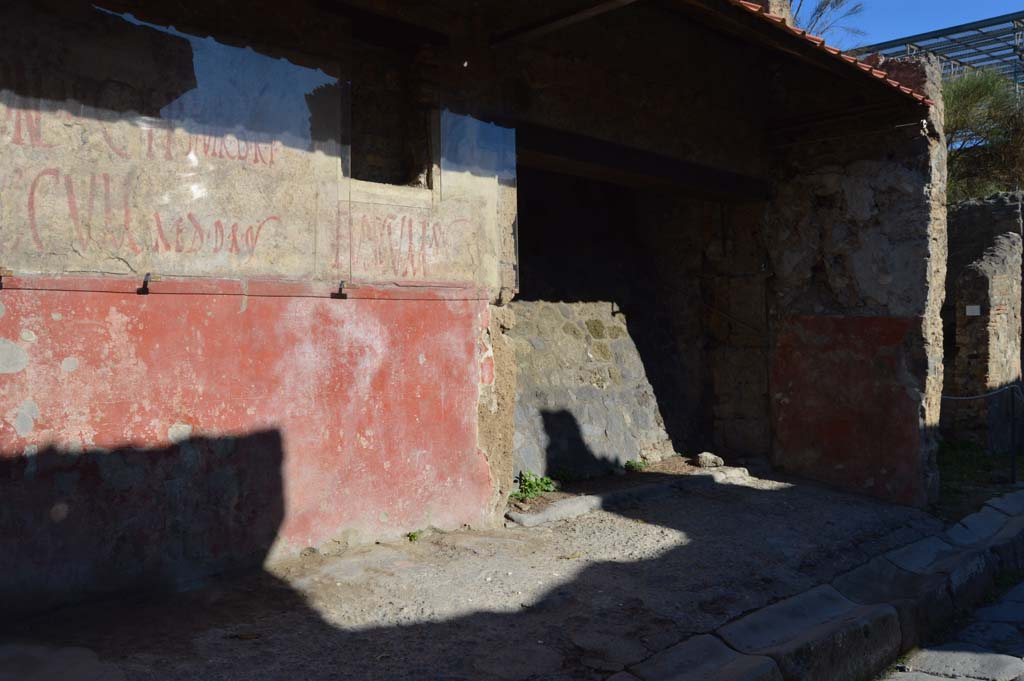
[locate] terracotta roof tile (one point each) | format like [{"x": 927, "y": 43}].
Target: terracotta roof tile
[{"x": 819, "y": 43}]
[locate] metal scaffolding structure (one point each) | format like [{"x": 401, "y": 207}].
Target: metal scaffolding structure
[{"x": 996, "y": 44}]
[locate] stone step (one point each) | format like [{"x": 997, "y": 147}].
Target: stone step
[
  {"x": 705, "y": 658},
  {"x": 921, "y": 600},
  {"x": 977, "y": 527},
  {"x": 921, "y": 555},
  {"x": 819, "y": 635},
  {"x": 1010, "y": 504}
]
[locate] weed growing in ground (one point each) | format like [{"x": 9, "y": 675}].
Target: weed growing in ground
[
  {"x": 635, "y": 465},
  {"x": 532, "y": 486},
  {"x": 414, "y": 535}
]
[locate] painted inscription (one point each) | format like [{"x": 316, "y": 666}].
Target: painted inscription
[{"x": 196, "y": 158}]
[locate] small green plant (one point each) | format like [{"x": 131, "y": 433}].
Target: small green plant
[
  {"x": 414, "y": 535},
  {"x": 532, "y": 486},
  {"x": 635, "y": 465}
]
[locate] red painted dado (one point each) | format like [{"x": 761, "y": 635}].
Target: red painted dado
[
  {"x": 845, "y": 408},
  {"x": 165, "y": 437}
]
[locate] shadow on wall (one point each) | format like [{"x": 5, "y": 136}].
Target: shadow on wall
[
  {"x": 380, "y": 612},
  {"x": 567, "y": 454},
  {"x": 89, "y": 62},
  {"x": 77, "y": 525}
]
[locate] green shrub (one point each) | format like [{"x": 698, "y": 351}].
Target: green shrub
[{"x": 532, "y": 486}]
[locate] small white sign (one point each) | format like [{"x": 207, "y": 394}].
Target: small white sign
[{"x": 973, "y": 311}]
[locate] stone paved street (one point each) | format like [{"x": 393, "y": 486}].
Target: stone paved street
[{"x": 990, "y": 647}]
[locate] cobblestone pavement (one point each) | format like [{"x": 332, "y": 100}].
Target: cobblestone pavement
[{"x": 989, "y": 648}]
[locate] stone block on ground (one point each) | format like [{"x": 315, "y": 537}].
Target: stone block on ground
[
  {"x": 921, "y": 555},
  {"x": 560, "y": 510},
  {"x": 971, "y": 576},
  {"x": 706, "y": 658},
  {"x": 922, "y": 601},
  {"x": 1010, "y": 504},
  {"x": 1015, "y": 594},
  {"x": 709, "y": 460},
  {"x": 819, "y": 635},
  {"x": 1007, "y": 612},
  {"x": 996, "y": 636},
  {"x": 1008, "y": 545},
  {"x": 965, "y": 660},
  {"x": 977, "y": 527}
]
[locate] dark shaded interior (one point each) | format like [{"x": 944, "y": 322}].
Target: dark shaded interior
[{"x": 582, "y": 240}]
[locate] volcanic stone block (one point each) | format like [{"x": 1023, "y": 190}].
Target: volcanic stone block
[
  {"x": 706, "y": 658},
  {"x": 819, "y": 635}
]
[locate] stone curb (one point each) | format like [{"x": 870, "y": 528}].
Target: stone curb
[
  {"x": 564, "y": 509},
  {"x": 853, "y": 628}
]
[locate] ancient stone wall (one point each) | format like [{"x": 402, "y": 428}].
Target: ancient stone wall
[
  {"x": 986, "y": 300},
  {"x": 857, "y": 240},
  {"x": 974, "y": 226},
  {"x": 585, "y": 405}
]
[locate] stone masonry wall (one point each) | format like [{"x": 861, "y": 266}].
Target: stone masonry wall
[
  {"x": 857, "y": 239},
  {"x": 986, "y": 299},
  {"x": 584, "y": 405},
  {"x": 974, "y": 226}
]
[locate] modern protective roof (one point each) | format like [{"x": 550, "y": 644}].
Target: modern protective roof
[
  {"x": 996, "y": 44},
  {"x": 833, "y": 52}
]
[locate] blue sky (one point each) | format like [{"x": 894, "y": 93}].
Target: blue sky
[{"x": 887, "y": 19}]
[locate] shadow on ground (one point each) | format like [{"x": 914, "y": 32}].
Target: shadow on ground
[{"x": 576, "y": 600}]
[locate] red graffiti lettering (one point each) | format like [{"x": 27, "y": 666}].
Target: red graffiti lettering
[
  {"x": 33, "y": 227},
  {"x": 402, "y": 246},
  {"x": 123, "y": 233},
  {"x": 197, "y": 235},
  {"x": 168, "y": 144},
  {"x": 118, "y": 151},
  {"x": 161, "y": 237},
  {"x": 252, "y": 233},
  {"x": 218, "y": 244},
  {"x": 27, "y": 123},
  {"x": 84, "y": 234},
  {"x": 233, "y": 238}
]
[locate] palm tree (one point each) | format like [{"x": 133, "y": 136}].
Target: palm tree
[{"x": 827, "y": 16}]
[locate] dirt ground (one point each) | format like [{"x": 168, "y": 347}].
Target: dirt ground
[
  {"x": 578, "y": 599},
  {"x": 969, "y": 476}
]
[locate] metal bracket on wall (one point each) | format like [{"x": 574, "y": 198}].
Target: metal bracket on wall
[
  {"x": 144, "y": 289},
  {"x": 340, "y": 293}
]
